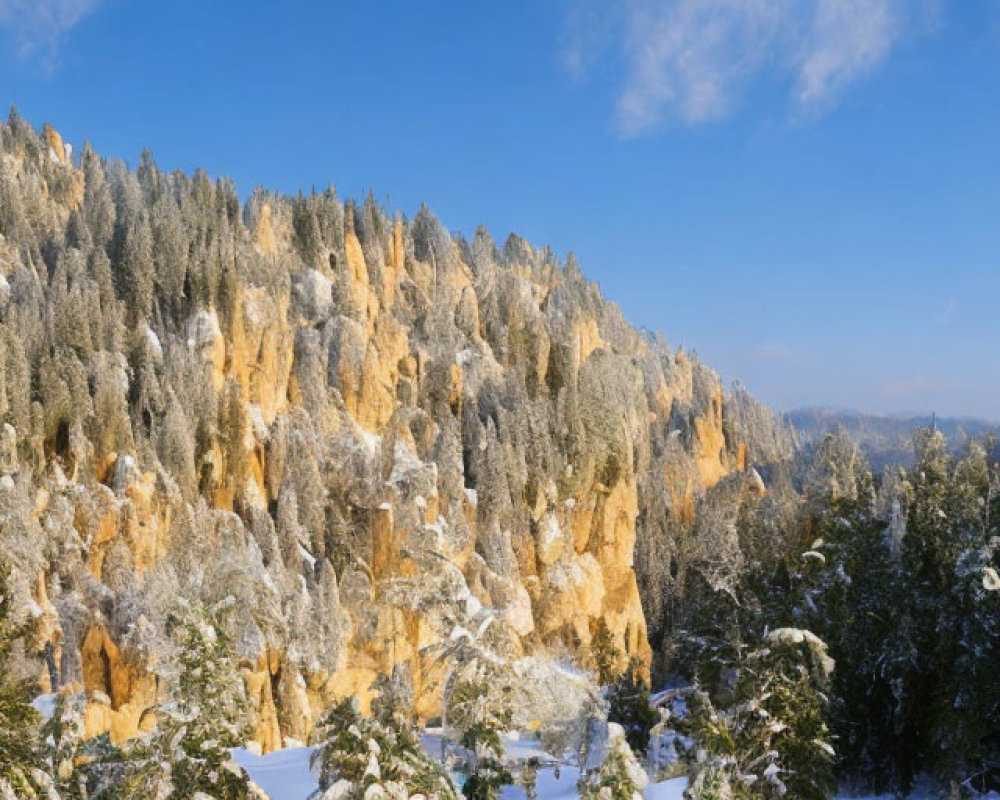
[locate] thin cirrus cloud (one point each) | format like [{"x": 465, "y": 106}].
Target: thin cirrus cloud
[
  {"x": 690, "y": 59},
  {"x": 38, "y": 27},
  {"x": 946, "y": 313},
  {"x": 919, "y": 385},
  {"x": 773, "y": 354}
]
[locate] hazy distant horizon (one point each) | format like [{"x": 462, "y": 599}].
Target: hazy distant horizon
[{"x": 903, "y": 416}]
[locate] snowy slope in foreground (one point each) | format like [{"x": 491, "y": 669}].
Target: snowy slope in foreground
[{"x": 285, "y": 775}]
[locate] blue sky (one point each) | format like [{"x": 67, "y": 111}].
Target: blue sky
[{"x": 805, "y": 191}]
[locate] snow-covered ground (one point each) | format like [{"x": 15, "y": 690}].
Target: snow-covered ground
[
  {"x": 285, "y": 775},
  {"x": 44, "y": 704}
]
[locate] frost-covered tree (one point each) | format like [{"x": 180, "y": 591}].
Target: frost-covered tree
[
  {"x": 763, "y": 731},
  {"x": 64, "y": 733},
  {"x": 849, "y": 590},
  {"x": 479, "y": 709},
  {"x": 360, "y": 757},
  {"x": 605, "y": 656},
  {"x": 628, "y": 706},
  {"x": 82, "y": 768},
  {"x": 626, "y": 690},
  {"x": 966, "y": 703},
  {"x": 620, "y": 776},
  {"x": 22, "y": 760},
  {"x": 187, "y": 756}
]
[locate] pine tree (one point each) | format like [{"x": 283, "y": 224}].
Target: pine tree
[
  {"x": 929, "y": 552},
  {"x": 83, "y": 768},
  {"x": 63, "y": 734},
  {"x": 967, "y": 716},
  {"x": 307, "y": 230},
  {"x": 98, "y": 207},
  {"x": 620, "y": 777},
  {"x": 479, "y": 708},
  {"x": 627, "y": 692},
  {"x": 379, "y": 756},
  {"x": 187, "y": 757},
  {"x": 850, "y": 592},
  {"x": 605, "y": 655},
  {"x": 765, "y": 735},
  {"x": 628, "y": 706},
  {"x": 21, "y": 751}
]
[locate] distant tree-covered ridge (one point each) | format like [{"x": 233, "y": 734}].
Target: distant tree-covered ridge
[{"x": 890, "y": 440}]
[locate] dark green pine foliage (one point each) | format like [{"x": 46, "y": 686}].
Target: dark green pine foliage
[
  {"x": 758, "y": 706},
  {"x": 188, "y": 755},
  {"x": 605, "y": 655},
  {"x": 82, "y": 768},
  {"x": 971, "y": 722},
  {"x": 209, "y": 711},
  {"x": 762, "y": 732},
  {"x": 908, "y": 599},
  {"x": 628, "y": 705},
  {"x": 626, "y": 690},
  {"x": 63, "y": 734},
  {"x": 479, "y": 707},
  {"x": 789, "y": 678},
  {"x": 22, "y": 757},
  {"x": 381, "y": 752},
  {"x": 927, "y": 552},
  {"x": 853, "y": 603},
  {"x": 949, "y": 552},
  {"x": 618, "y": 778},
  {"x": 930, "y": 551},
  {"x": 486, "y": 781}
]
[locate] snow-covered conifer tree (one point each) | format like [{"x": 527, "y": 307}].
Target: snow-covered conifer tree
[
  {"x": 479, "y": 708},
  {"x": 768, "y": 737},
  {"x": 620, "y": 777},
  {"x": 376, "y": 757},
  {"x": 187, "y": 757},
  {"x": 21, "y": 756}
]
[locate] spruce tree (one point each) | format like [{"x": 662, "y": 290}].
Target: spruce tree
[
  {"x": 82, "y": 768},
  {"x": 620, "y": 777},
  {"x": 188, "y": 757},
  {"x": 479, "y": 708},
  {"x": 764, "y": 732},
  {"x": 967, "y": 717},
  {"x": 605, "y": 656},
  {"x": 627, "y": 692},
  {"x": 22, "y": 756},
  {"x": 929, "y": 552},
  {"x": 628, "y": 706},
  {"x": 378, "y": 756}
]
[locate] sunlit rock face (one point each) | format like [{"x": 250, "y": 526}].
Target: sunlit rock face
[{"x": 322, "y": 410}]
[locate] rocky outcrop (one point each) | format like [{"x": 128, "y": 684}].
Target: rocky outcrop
[{"x": 358, "y": 426}]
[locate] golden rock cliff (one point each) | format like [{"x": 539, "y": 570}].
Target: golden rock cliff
[{"x": 354, "y": 424}]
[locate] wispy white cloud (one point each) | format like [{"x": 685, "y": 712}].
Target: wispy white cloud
[
  {"x": 39, "y": 26},
  {"x": 918, "y": 385},
  {"x": 773, "y": 354},
  {"x": 690, "y": 59},
  {"x": 946, "y": 313}
]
